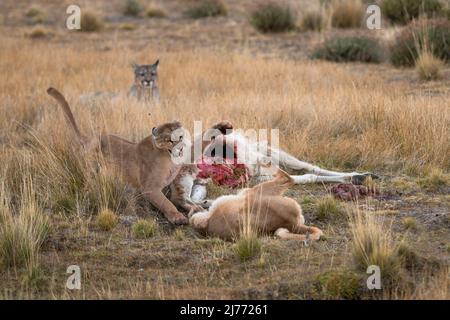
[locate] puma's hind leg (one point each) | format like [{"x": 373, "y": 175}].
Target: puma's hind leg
[{"x": 301, "y": 233}]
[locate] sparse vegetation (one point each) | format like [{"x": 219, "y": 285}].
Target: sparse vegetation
[
  {"x": 106, "y": 220},
  {"x": 273, "y": 17},
  {"x": 132, "y": 8},
  {"x": 347, "y": 49},
  {"x": 347, "y": 14},
  {"x": 403, "y": 11},
  {"x": 431, "y": 36},
  {"x": 90, "y": 21},
  {"x": 208, "y": 8},
  {"x": 145, "y": 228}
]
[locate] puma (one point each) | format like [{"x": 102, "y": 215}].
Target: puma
[
  {"x": 262, "y": 209},
  {"x": 147, "y": 165}
]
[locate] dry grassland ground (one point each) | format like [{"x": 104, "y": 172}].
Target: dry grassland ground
[{"x": 348, "y": 117}]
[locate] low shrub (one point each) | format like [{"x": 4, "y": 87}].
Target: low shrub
[
  {"x": 273, "y": 17},
  {"x": 345, "y": 49},
  {"x": 90, "y": 21},
  {"x": 403, "y": 11},
  {"x": 132, "y": 8},
  {"x": 432, "y": 35},
  {"x": 347, "y": 14},
  {"x": 208, "y": 8}
]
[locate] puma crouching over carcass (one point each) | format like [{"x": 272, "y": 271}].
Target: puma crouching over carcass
[
  {"x": 146, "y": 165},
  {"x": 262, "y": 209}
]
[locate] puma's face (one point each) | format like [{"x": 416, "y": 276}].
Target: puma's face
[
  {"x": 146, "y": 75},
  {"x": 168, "y": 136}
]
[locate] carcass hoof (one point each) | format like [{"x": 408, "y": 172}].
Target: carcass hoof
[{"x": 360, "y": 178}]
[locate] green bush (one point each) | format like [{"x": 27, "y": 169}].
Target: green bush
[
  {"x": 132, "y": 8},
  {"x": 208, "y": 8},
  {"x": 433, "y": 35},
  {"x": 272, "y": 17},
  {"x": 343, "y": 284},
  {"x": 346, "y": 49},
  {"x": 403, "y": 11}
]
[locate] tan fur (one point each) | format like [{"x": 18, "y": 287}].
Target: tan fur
[
  {"x": 263, "y": 208},
  {"x": 146, "y": 165},
  {"x": 145, "y": 86}
]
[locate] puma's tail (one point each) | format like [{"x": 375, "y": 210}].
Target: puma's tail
[{"x": 67, "y": 112}]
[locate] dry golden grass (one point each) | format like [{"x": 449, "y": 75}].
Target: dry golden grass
[
  {"x": 23, "y": 228},
  {"x": 106, "y": 220},
  {"x": 342, "y": 120},
  {"x": 346, "y": 13},
  {"x": 429, "y": 67},
  {"x": 326, "y": 114}
]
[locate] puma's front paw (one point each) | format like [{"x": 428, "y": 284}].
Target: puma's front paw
[
  {"x": 224, "y": 126},
  {"x": 316, "y": 233},
  {"x": 178, "y": 219}
]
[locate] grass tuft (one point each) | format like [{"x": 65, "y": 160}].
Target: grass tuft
[
  {"x": 107, "y": 220},
  {"x": 410, "y": 223},
  {"x": 429, "y": 67},
  {"x": 145, "y": 228},
  {"x": 22, "y": 233},
  {"x": 247, "y": 246},
  {"x": 344, "y": 284},
  {"x": 373, "y": 245},
  {"x": 329, "y": 209},
  {"x": 434, "y": 180}
]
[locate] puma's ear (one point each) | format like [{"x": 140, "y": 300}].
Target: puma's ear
[
  {"x": 156, "y": 64},
  {"x": 154, "y": 131},
  {"x": 134, "y": 65}
]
